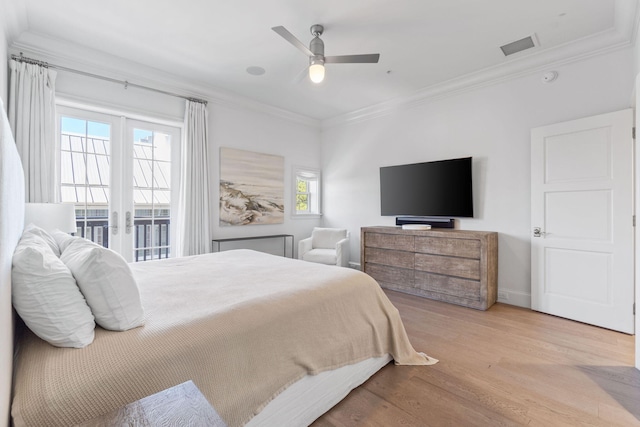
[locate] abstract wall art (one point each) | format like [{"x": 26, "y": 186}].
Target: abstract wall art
[{"x": 251, "y": 188}]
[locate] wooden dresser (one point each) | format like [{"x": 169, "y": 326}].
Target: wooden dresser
[{"x": 455, "y": 266}]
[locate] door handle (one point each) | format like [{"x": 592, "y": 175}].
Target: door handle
[
  {"x": 537, "y": 232},
  {"x": 128, "y": 223},
  {"x": 114, "y": 223}
]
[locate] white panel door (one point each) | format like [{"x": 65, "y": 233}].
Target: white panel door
[{"x": 582, "y": 247}]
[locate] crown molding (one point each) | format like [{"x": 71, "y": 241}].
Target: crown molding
[
  {"x": 588, "y": 47},
  {"x": 74, "y": 56}
]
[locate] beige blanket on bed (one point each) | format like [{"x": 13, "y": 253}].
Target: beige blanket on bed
[{"x": 241, "y": 324}]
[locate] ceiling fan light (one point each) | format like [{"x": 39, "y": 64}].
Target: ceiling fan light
[{"x": 316, "y": 72}]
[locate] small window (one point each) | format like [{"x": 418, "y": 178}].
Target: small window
[{"x": 306, "y": 192}]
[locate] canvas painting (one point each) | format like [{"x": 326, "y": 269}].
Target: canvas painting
[{"x": 251, "y": 188}]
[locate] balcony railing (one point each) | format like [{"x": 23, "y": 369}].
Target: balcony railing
[
  {"x": 143, "y": 229},
  {"x": 97, "y": 230}
]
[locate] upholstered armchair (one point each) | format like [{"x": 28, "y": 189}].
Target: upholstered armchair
[{"x": 326, "y": 246}]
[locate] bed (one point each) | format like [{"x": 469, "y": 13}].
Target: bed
[{"x": 268, "y": 340}]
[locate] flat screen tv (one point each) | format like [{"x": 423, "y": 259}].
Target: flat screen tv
[{"x": 437, "y": 189}]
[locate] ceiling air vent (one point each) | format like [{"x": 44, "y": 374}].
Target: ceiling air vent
[{"x": 518, "y": 46}]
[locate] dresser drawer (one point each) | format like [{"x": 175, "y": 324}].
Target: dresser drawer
[
  {"x": 450, "y": 266},
  {"x": 465, "y": 248},
  {"x": 387, "y": 274},
  {"x": 464, "y": 288},
  {"x": 390, "y": 241},
  {"x": 389, "y": 257}
]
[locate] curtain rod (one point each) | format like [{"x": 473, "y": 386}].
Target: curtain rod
[{"x": 126, "y": 83}]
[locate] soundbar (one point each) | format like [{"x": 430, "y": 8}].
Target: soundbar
[{"x": 432, "y": 221}]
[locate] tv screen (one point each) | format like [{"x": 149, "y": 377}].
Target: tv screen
[{"x": 441, "y": 188}]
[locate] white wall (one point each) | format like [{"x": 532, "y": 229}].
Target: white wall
[
  {"x": 636, "y": 73},
  {"x": 4, "y": 69},
  {"x": 6, "y": 332},
  {"x": 13, "y": 21},
  {"x": 493, "y": 125},
  {"x": 637, "y": 241},
  {"x": 6, "y": 24},
  {"x": 299, "y": 144},
  {"x": 636, "y": 51}
]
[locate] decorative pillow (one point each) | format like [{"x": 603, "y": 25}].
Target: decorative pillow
[
  {"x": 63, "y": 239},
  {"x": 326, "y": 238},
  {"x": 33, "y": 229},
  {"x": 46, "y": 296},
  {"x": 107, "y": 283}
]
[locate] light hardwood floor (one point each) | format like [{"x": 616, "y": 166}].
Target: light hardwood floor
[{"x": 505, "y": 366}]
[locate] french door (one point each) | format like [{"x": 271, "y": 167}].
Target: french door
[{"x": 122, "y": 175}]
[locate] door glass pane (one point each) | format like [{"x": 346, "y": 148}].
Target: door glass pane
[
  {"x": 151, "y": 194},
  {"x": 84, "y": 161}
]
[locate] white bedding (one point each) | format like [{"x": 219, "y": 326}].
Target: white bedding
[{"x": 243, "y": 325}]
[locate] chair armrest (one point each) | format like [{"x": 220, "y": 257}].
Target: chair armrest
[
  {"x": 304, "y": 246},
  {"x": 342, "y": 252}
]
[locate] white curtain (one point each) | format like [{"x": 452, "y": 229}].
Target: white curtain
[
  {"x": 32, "y": 118},
  {"x": 193, "y": 213}
]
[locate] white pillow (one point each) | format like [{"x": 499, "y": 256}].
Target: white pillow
[
  {"x": 46, "y": 296},
  {"x": 63, "y": 239},
  {"x": 326, "y": 238},
  {"x": 33, "y": 229},
  {"x": 106, "y": 281}
]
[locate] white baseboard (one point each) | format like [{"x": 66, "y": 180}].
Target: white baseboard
[{"x": 520, "y": 299}]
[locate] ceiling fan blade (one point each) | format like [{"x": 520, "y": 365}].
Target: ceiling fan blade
[
  {"x": 301, "y": 75},
  {"x": 371, "y": 58},
  {"x": 292, "y": 39}
]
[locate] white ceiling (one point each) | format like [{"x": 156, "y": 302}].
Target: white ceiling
[{"x": 422, "y": 43}]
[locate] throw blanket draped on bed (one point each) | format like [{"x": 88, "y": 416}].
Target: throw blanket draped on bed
[{"x": 241, "y": 324}]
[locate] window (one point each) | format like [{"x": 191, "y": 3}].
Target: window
[
  {"x": 306, "y": 192},
  {"x": 119, "y": 172}
]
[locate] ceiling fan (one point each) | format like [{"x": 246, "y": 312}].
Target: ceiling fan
[{"x": 315, "y": 52}]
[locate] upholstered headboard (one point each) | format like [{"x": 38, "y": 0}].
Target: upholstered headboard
[{"x": 11, "y": 225}]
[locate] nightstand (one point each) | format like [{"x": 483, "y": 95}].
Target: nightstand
[{"x": 181, "y": 405}]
